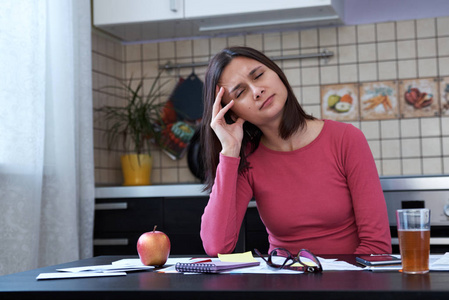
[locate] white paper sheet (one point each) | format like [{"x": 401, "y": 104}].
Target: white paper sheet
[
  {"x": 66, "y": 275},
  {"x": 328, "y": 265},
  {"x": 107, "y": 268},
  {"x": 437, "y": 262}
]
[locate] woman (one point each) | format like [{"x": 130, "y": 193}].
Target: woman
[{"x": 314, "y": 181}]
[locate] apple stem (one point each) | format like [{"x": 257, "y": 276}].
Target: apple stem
[{"x": 154, "y": 229}]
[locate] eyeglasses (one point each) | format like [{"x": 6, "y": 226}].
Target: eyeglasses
[{"x": 281, "y": 258}]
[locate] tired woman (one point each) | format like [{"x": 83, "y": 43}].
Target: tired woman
[{"x": 314, "y": 181}]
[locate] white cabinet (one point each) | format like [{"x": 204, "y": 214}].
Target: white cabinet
[
  {"x": 237, "y": 14},
  {"x": 208, "y": 8},
  {"x": 137, "y": 20},
  {"x": 109, "y": 12}
]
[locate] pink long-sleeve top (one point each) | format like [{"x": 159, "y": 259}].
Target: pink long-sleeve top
[{"x": 325, "y": 197}]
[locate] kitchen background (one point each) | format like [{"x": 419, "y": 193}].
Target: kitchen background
[{"x": 399, "y": 50}]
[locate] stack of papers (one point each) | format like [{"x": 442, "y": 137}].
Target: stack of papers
[
  {"x": 94, "y": 271},
  {"x": 262, "y": 268},
  {"x": 437, "y": 262}
]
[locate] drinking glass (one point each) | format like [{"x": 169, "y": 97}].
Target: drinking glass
[{"x": 414, "y": 239}]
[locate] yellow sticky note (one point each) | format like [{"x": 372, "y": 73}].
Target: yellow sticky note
[{"x": 237, "y": 257}]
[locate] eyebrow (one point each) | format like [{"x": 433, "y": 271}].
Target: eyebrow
[{"x": 249, "y": 74}]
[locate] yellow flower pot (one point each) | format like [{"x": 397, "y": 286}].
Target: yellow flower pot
[{"x": 136, "y": 169}]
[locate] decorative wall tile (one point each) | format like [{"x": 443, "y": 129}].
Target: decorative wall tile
[
  {"x": 425, "y": 28},
  {"x": 391, "y": 167},
  {"x": 418, "y": 98},
  {"x": 427, "y": 67},
  {"x": 150, "y": 51},
  {"x": 201, "y": 47},
  {"x": 430, "y": 127},
  {"x": 432, "y": 166},
  {"x": 426, "y": 47},
  {"x": 387, "y": 70},
  {"x": 218, "y": 44},
  {"x": 407, "y": 69},
  {"x": 431, "y": 146},
  {"x": 406, "y": 49},
  {"x": 443, "y": 46},
  {"x": 290, "y": 40},
  {"x": 443, "y": 66},
  {"x": 411, "y": 147},
  {"x": 391, "y": 148},
  {"x": 166, "y": 50},
  {"x": 386, "y": 31},
  {"x": 368, "y": 72},
  {"x": 444, "y": 98},
  {"x": 443, "y": 26},
  {"x": 367, "y": 52},
  {"x": 340, "y": 102},
  {"x": 346, "y": 35},
  {"x": 133, "y": 53},
  {"x": 348, "y": 73},
  {"x": 310, "y": 95},
  {"x": 371, "y": 129},
  {"x": 405, "y": 30},
  {"x": 329, "y": 74},
  {"x": 310, "y": 76},
  {"x": 366, "y": 33},
  {"x": 386, "y": 51},
  {"x": 379, "y": 100},
  {"x": 309, "y": 38},
  {"x": 347, "y": 54},
  {"x": 272, "y": 41},
  {"x": 327, "y": 36},
  {"x": 411, "y": 166}
]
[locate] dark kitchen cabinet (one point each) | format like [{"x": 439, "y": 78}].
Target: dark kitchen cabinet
[
  {"x": 255, "y": 234},
  {"x": 119, "y": 223}
]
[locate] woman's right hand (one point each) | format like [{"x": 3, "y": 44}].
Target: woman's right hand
[{"x": 230, "y": 135}]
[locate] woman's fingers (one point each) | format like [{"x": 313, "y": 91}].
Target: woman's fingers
[{"x": 217, "y": 104}]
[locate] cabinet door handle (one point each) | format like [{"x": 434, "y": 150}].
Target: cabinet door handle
[
  {"x": 111, "y": 242},
  {"x": 111, "y": 206},
  {"x": 173, "y": 5}
]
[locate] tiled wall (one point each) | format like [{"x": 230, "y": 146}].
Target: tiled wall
[{"x": 371, "y": 52}]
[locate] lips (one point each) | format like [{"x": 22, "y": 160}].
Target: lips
[{"x": 267, "y": 102}]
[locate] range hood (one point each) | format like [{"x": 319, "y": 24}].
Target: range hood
[{"x": 214, "y": 18}]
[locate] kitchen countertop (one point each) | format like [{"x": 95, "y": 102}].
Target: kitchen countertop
[
  {"x": 169, "y": 190},
  {"x": 440, "y": 182},
  {"x": 151, "y": 285}
]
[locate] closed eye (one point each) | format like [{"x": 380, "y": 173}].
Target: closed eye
[
  {"x": 258, "y": 75},
  {"x": 239, "y": 93}
]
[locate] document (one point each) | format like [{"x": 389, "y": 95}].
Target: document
[{"x": 66, "y": 275}]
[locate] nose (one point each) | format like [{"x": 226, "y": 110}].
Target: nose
[{"x": 258, "y": 92}]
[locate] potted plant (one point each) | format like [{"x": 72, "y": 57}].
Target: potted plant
[{"x": 137, "y": 124}]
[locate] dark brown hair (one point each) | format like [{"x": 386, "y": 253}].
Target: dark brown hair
[{"x": 293, "y": 118}]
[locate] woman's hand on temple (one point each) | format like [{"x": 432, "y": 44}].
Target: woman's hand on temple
[{"x": 230, "y": 135}]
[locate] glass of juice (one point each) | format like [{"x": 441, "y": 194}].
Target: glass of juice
[{"x": 414, "y": 239}]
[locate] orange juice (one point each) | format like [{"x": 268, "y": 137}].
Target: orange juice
[{"x": 414, "y": 245}]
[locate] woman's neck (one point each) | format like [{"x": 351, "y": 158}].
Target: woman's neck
[{"x": 301, "y": 138}]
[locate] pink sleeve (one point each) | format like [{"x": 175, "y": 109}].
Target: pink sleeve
[
  {"x": 367, "y": 196},
  {"x": 224, "y": 213}
]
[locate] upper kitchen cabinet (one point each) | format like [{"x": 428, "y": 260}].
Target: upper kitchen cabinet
[
  {"x": 140, "y": 20},
  {"x": 143, "y": 20},
  {"x": 113, "y": 12},
  {"x": 255, "y": 14}
]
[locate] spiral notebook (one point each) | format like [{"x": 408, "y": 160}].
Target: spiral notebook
[{"x": 212, "y": 267}]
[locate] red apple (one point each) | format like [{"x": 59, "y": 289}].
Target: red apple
[{"x": 153, "y": 248}]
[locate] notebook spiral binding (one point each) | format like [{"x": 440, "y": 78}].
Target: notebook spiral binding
[{"x": 196, "y": 268}]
